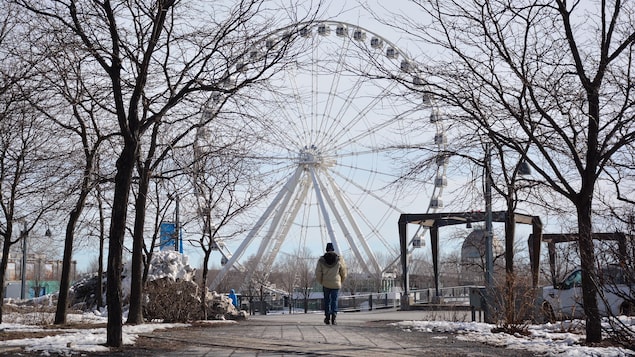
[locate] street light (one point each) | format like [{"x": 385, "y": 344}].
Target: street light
[
  {"x": 524, "y": 169},
  {"x": 177, "y": 224},
  {"x": 24, "y": 234},
  {"x": 177, "y": 239}
]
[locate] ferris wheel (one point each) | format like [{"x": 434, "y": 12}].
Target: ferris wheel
[{"x": 338, "y": 126}]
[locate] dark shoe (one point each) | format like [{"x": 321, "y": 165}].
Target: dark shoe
[
  {"x": 326, "y": 320},
  {"x": 333, "y": 319}
]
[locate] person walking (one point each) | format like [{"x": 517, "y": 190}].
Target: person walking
[{"x": 330, "y": 273}]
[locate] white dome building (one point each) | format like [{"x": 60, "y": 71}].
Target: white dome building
[{"x": 473, "y": 255}]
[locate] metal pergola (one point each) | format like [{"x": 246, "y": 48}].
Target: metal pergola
[
  {"x": 555, "y": 238},
  {"x": 434, "y": 221}
]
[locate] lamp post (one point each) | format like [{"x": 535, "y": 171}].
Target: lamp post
[
  {"x": 176, "y": 234},
  {"x": 177, "y": 226}
]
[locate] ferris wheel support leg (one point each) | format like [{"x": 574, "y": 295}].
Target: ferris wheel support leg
[
  {"x": 287, "y": 222},
  {"x": 358, "y": 233},
  {"x": 286, "y": 189},
  {"x": 325, "y": 213},
  {"x": 272, "y": 235},
  {"x": 342, "y": 224},
  {"x": 387, "y": 246}
]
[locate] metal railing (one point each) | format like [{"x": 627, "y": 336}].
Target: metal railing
[
  {"x": 367, "y": 302},
  {"x": 458, "y": 295}
]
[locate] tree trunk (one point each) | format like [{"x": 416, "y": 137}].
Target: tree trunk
[
  {"x": 583, "y": 203},
  {"x": 65, "y": 279},
  {"x": 204, "y": 283},
  {"x": 587, "y": 260},
  {"x": 135, "y": 314},
  {"x": 510, "y": 231},
  {"x": 4, "y": 261},
  {"x": 147, "y": 258},
  {"x": 125, "y": 165},
  {"x": 100, "y": 269}
]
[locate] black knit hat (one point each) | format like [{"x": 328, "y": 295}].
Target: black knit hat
[{"x": 329, "y": 247}]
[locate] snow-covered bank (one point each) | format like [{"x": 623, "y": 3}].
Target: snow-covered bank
[{"x": 559, "y": 339}]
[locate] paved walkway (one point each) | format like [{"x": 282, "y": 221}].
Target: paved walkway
[{"x": 367, "y": 334}]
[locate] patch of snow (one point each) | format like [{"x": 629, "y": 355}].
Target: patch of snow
[{"x": 545, "y": 339}]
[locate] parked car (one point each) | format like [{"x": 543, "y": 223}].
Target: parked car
[{"x": 616, "y": 295}]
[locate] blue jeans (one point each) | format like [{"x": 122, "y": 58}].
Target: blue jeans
[{"x": 330, "y": 301}]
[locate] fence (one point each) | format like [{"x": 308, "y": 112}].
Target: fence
[
  {"x": 366, "y": 302},
  {"x": 358, "y": 302},
  {"x": 458, "y": 295}
]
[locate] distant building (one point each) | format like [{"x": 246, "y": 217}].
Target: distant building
[
  {"x": 42, "y": 275},
  {"x": 473, "y": 256}
]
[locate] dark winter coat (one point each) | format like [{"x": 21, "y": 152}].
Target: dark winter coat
[{"x": 331, "y": 270}]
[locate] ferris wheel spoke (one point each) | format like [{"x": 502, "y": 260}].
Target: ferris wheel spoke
[
  {"x": 368, "y": 192},
  {"x": 374, "y": 229},
  {"x": 372, "y": 130},
  {"x": 288, "y": 137},
  {"x": 303, "y": 116},
  {"x": 334, "y": 88},
  {"x": 340, "y": 123}
]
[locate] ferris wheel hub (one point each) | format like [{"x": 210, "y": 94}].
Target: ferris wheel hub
[{"x": 312, "y": 155}]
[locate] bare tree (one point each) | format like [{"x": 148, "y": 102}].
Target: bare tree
[
  {"x": 30, "y": 166},
  {"x": 155, "y": 59},
  {"x": 101, "y": 235},
  {"x": 295, "y": 272},
  {"x": 22, "y": 195},
  {"x": 71, "y": 111},
  {"x": 224, "y": 191},
  {"x": 545, "y": 85},
  {"x": 254, "y": 287},
  {"x": 356, "y": 278},
  {"x": 306, "y": 276},
  {"x": 243, "y": 31},
  {"x": 421, "y": 269},
  {"x": 160, "y": 213}
]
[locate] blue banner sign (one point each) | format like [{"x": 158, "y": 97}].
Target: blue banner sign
[{"x": 169, "y": 236}]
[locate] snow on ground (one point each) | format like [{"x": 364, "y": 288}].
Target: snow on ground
[
  {"x": 79, "y": 340},
  {"x": 562, "y": 338},
  {"x": 164, "y": 264}
]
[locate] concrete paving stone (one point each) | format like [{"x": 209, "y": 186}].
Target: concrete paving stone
[{"x": 358, "y": 334}]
